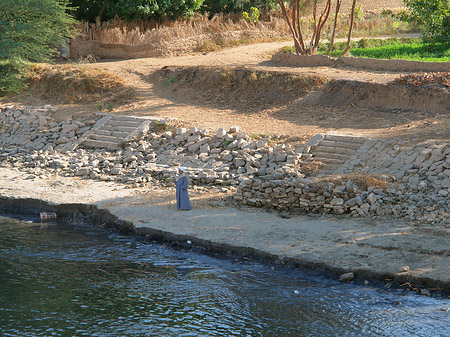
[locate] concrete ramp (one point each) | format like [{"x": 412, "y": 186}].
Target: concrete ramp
[{"x": 112, "y": 132}]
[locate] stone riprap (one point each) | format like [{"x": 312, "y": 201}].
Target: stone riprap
[
  {"x": 411, "y": 181},
  {"x": 31, "y": 140}
]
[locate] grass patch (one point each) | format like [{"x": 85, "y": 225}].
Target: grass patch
[
  {"x": 392, "y": 48},
  {"x": 439, "y": 52},
  {"x": 77, "y": 83}
]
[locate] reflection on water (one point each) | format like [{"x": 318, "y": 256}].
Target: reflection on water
[{"x": 67, "y": 281}]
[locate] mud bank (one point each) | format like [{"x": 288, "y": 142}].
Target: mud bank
[{"x": 371, "y": 250}]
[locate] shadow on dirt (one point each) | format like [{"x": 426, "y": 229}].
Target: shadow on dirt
[{"x": 302, "y": 100}]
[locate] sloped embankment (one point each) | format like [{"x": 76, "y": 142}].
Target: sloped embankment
[
  {"x": 232, "y": 87},
  {"x": 245, "y": 88},
  {"x": 432, "y": 98}
]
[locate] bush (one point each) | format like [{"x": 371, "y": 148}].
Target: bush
[
  {"x": 11, "y": 76},
  {"x": 235, "y": 6},
  {"x": 432, "y": 15},
  {"x": 33, "y": 29},
  {"x": 134, "y": 9},
  {"x": 253, "y": 16},
  {"x": 152, "y": 9},
  {"x": 30, "y": 30}
]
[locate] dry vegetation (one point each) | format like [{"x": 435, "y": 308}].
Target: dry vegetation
[
  {"x": 240, "y": 87},
  {"x": 204, "y": 34},
  {"x": 441, "y": 78},
  {"x": 364, "y": 181},
  {"x": 77, "y": 84}
]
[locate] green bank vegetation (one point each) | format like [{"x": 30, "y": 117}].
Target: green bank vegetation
[{"x": 415, "y": 49}]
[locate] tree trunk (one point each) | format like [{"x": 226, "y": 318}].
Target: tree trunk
[
  {"x": 338, "y": 7},
  {"x": 322, "y": 20},
  {"x": 298, "y": 47},
  {"x": 350, "y": 29},
  {"x": 102, "y": 10}
]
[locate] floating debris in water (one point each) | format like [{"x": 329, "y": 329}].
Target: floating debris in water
[{"x": 48, "y": 216}]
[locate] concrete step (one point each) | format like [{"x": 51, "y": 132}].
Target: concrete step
[
  {"x": 102, "y": 144},
  {"x": 117, "y": 128},
  {"x": 119, "y": 122},
  {"x": 347, "y": 139},
  {"x": 342, "y": 157},
  {"x": 345, "y": 145},
  {"x": 127, "y": 118},
  {"x": 103, "y": 132},
  {"x": 329, "y": 149},
  {"x": 103, "y": 138},
  {"x": 327, "y": 160}
]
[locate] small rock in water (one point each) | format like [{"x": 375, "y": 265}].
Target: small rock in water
[
  {"x": 296, "y": 292},
  {"x": 425, "y": 292},
  {"x": 404, "y": 269},
  {"x": 347, "y": 277},
  {"x": 366, "y": 282}
]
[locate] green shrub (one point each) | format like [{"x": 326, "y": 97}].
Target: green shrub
[
  {"x": 253, "y": 16},
  {"x": 33, "y": 30},
  {"x": 11, "y": 76},
  {"x": 30, "y": 30},
  {"x": 432, "y": 15},
  {"x": 156, "y": 9},
  {"x": 234, "y": 6}
]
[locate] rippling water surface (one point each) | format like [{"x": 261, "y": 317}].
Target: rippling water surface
[{"x": 61, "y": 280}]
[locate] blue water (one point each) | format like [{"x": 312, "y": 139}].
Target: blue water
[{"x": 62, "y": 280}]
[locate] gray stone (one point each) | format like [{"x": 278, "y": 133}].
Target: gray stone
[
  {"x": 204, "y": 149},
  {"x": 347, "y": 277},
  {"x": 82, "y": 171},
  {"x": 241, "y": 135},
  {"x": 194, "y": 138},
  {"x": 221, "y": 133},
  {"x": 238, "y": 162},
  {"x": 280, "y": 157},
  {"x": 372, "y": 198},
  {"x": 337, "y": 202},
  {"x": 234, "y": 129}
]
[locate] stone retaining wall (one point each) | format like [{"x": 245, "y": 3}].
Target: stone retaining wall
[{"x": 413, "y": 183}]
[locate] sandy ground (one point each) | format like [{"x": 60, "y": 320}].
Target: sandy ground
[
  {"x": 370, "y": 249},
  {"x": 193, "y": 108}
]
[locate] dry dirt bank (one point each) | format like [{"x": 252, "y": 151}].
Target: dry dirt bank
[{"x": 201, "y": 105}]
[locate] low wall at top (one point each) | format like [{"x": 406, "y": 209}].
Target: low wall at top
[
  {"x": 81, "y": 48},
  {"x": 290, "y": 59}
]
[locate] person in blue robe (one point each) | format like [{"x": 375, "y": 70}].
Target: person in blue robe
[{"x": 181, "y": 182}]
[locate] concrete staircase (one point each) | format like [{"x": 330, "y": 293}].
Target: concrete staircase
[
  {"x": 112, "y": 132},
  {"x": 333, "y": 151}
]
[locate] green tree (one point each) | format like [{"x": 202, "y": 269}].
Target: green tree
[
  {"x": 102, "y": 10},
  {"x": 432, "y": 15},
  {"x": 237, "y": 6},
  {"x": 33, "y": 30},
  {"x": 30, "y": 31}
]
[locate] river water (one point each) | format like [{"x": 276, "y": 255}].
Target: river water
[{"x": 65, "y": 280}]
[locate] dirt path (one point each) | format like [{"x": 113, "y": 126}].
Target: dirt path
[
  {"x": 192, "y": 107},
  {"x": 195, "y": 107}
]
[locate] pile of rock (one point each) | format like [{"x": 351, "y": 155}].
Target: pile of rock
[
  {"x": 33, "y": 128},
  {"x": 323, "y": 197},
  {"x": 416, "y": 180},
  {"x": 32, "y": 141}
]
